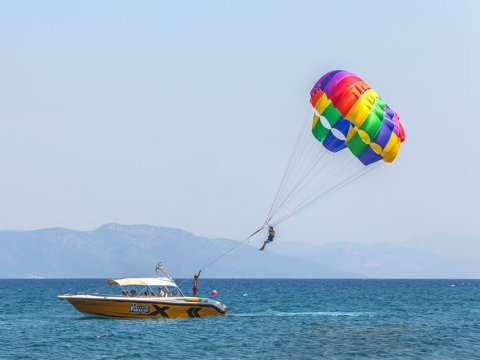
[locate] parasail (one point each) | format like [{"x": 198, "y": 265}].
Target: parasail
[{"x": 348, "y": 114}]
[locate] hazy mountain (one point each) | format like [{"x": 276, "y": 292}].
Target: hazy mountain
[
  {"x": 447, "y": 245},
  {"x": 434, "y": 256},
  {"x": 115, "y": 250}
]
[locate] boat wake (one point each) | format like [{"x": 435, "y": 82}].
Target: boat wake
[{"x": 272, "y": 313}]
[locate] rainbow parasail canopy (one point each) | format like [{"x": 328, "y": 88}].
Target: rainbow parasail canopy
[{"x": 349, "y": 113}]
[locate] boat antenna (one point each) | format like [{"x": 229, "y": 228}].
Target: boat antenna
[{"x": 159, "y": 268}]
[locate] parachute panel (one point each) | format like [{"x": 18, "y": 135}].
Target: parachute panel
[
  {"x": 345, "y": 103},
  {"x": 318, "y": 130},
  {"x": 343, "y": 86},
  {"x": 356, "y": 143},
  {"x": 391, "y": 149}
]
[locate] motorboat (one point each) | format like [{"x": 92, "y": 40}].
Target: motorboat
[{"x": 158, "y": 297}]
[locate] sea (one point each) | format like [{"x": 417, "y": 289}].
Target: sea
[{"x": 268, "y": 319}]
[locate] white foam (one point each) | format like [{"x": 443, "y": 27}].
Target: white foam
[{"x": 303, "y": 313}]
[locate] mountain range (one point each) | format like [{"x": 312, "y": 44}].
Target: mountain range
[
  {"x": 432, "y": 256},
  {"x": 116, "y": 250}
]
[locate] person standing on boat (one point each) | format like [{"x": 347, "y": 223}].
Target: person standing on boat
[
  {"x": 195, "y": 283},
  {"x": 271, "y": 235}
]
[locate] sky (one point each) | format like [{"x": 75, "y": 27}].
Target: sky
[{"x": 184, "y": 114}]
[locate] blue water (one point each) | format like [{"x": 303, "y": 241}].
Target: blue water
[{"x": 270, "y": 319}]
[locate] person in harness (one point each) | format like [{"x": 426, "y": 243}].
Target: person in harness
[{"x": 271, "y": 235}]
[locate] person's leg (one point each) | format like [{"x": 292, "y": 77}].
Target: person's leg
[{"x": 264, "y": 244}]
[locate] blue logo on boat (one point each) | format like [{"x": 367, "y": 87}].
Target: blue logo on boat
[{"x": 134, "y": 308}]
